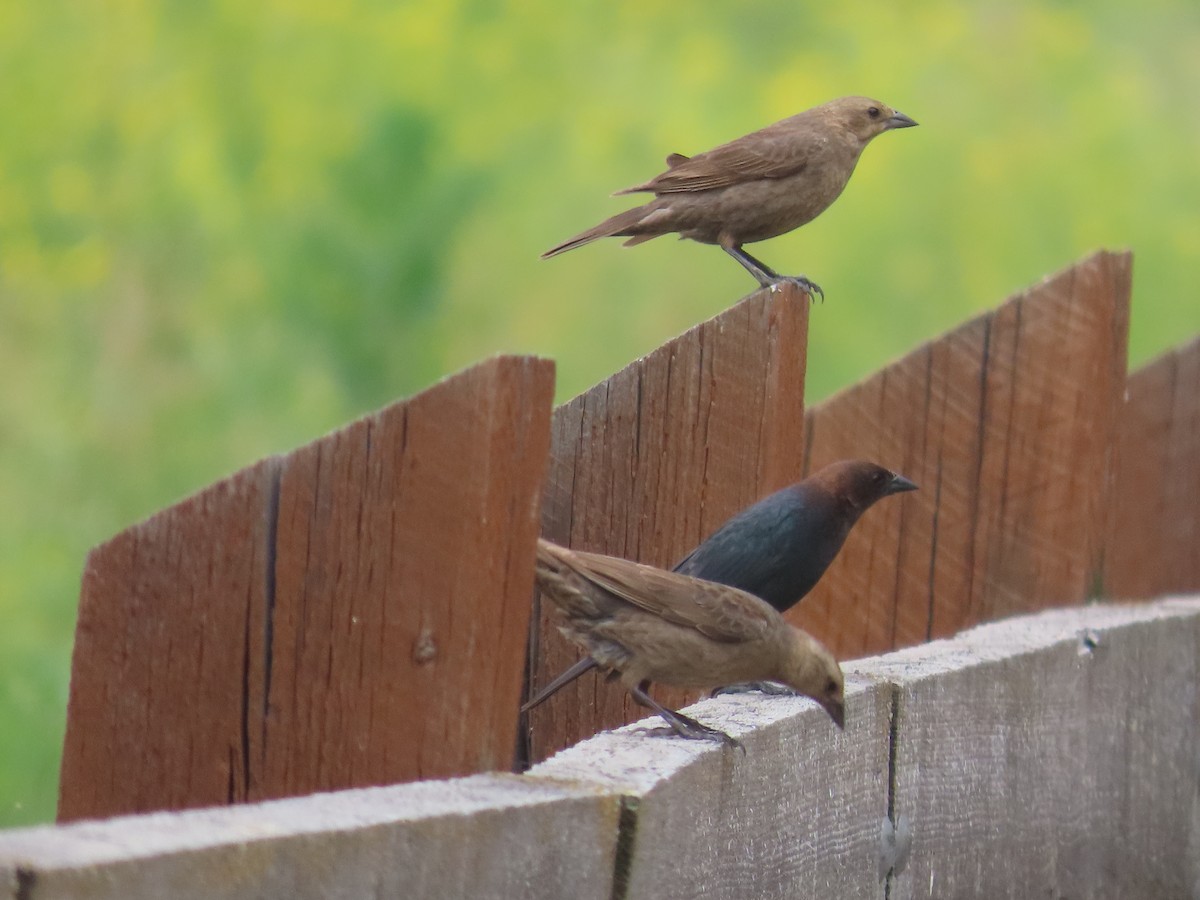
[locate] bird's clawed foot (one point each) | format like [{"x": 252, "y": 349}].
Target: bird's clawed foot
[
  {"x": 809, "y": 287},
  {"x": 762, "y": 687},
  {"x": 768, "y": 277},
  {"x": 687, "y": 727},
  {"x": 684, "y": 726}
]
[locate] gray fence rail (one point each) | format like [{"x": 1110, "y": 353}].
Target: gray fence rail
[{"x": 1052, "y": 755}]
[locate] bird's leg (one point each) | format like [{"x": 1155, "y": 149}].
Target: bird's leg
[
  {"x": 768, "y": 277},
  {"x": 762, "y": 687},
  {"x": 682, "y": 725}
]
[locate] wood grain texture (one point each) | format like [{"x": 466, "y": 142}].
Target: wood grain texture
[
  {"x": 1050, "y": 756},
  {"x": 1154, "y": 543},
  {"x": 1006, "y": 424},
  {"x": 647, "y": 463},
  {"x": 168, "y": 664},
  {"x": 353, "y": 613},
  {"x": 486, "y": 836},
  {"x": 798, "y": 815}
]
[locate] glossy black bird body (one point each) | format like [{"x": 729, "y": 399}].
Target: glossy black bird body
[{"x": 779, "y": 547}]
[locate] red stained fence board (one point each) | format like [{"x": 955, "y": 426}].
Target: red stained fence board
[
  {"x": 1154, "y": 546},
  {"x": 650, "y": 461},
  {"x": 353, "y": 613},
  {"x": 1006, "y": 424}
]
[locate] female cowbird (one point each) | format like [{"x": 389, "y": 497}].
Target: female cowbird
[
  {"x": 779, "y": 547},
  {"x": 649, "y": 625},
  {"x": 759, "y": 186}
]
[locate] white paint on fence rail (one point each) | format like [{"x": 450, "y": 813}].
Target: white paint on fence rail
[{"x": 1050, "y": 755}]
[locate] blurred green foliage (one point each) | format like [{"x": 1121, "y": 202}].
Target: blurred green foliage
[{"x": 226, "y": 228}]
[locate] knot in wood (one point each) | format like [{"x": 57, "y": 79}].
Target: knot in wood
[{"x": 424, "y": 647}]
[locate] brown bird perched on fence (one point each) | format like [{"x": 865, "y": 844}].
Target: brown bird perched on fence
[
  {"x": 779, "y": 547},
  {"x": 649, "y": 625},
  {"x": 759, "y": 186}
]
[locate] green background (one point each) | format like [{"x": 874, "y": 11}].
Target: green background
[{"x": 226, "y": 228}]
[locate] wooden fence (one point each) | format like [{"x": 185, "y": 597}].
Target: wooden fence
[
  {"x": 1153, "y": 546},
  {"x": 358, "y": 612},
  {"x": 1007, "y": 425},
  {"x": 1046, "y": 756},
  {"x": 353, "y": 613}
]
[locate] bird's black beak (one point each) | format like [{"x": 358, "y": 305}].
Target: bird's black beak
[
  {"x": 836, "y": 710},
  {"x": 900, "y": 120},
  {"x": 900, "y": 484}
]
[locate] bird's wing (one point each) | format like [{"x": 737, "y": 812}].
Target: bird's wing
[
  {"x": 716, "y": 611},
  {"x": 773, "y": 152},
  {"x": 740, "y": 569},
  {"x": 753, "y": 546}
]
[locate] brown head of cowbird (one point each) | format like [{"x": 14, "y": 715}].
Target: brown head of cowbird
[
  {"x": 779, "y": 547},
  {"x": 649, "y": 625},
  {"x": 759, "y": 186}
]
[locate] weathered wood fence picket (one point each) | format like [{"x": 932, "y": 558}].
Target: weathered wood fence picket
[
  {"x": 353, "y": 613},
  {"x": 359, "y": 613}
]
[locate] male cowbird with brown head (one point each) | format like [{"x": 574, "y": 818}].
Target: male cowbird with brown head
[
  {"x": 759, "y": 186},
  {"x": 649, "y": 625},
  {"x": 779, "y": 547}
]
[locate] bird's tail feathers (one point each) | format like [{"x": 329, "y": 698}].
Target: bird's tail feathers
[
  {"x": 639, "y": 239},
  {"x": 620, "y": 225},
  {"x": 584, "y": 665}
]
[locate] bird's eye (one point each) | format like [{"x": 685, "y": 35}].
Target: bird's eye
[
  {"x": 873, "y": 112},
  {"x": 831, "y": 688}
]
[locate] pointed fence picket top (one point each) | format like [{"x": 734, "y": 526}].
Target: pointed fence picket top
[
  {"x": 1006, "y": 424},
  {"x": 352, "y": 613},
  {"x": 1154, "y": 546},
  {"x": 647, "y": 463}
]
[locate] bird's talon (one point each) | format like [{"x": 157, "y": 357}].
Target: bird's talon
[
  {"x": 704, "y": 733},
  {"x": 689, "y": 728},
  {"x": 775, "y": 690},
  {"x": 775, "y": 282},
  {"x": 809, "y": 287},
  {"x": 769, "y": 688}
]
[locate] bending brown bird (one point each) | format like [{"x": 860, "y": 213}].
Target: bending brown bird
[
  {"x": 649, "y": 625},
  {"x": 759, "y": 186},
  {"x": 778, "y": 548}
]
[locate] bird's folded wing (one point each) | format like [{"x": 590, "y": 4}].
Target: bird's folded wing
[
  {"x": 709, "y": 563},
  {"x": 759, "y": 156},
  {"x": 726, "y": 557},
  {"x": 716, "y": 611}
]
